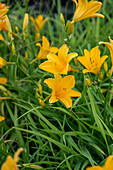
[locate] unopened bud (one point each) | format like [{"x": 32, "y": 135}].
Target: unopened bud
[
  {"x": 17, "y": 30},
  {"x": 26, "y": 56},
  {"x": 100, "y": 76},
  {"x": 88, "y": 82},
  {"x": 13, "y": 48},
  {"x": 70, "y": 27},
  {"x": 41, "y": 102},
  {"x": 40, "y": 89},
  {"x": 25, "y": 22},
  {"x": 62, "y": 18},
  {"x": 37, "y": 36},
  {"x": 38, "y": 96},
  {"x": 76, "y": 61},
  {"x": 9, "y": 36},
  {"x": 105, "y": 65}
]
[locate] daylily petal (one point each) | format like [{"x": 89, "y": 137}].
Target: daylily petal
[
  {"x": 95, "y": 168},
  {"x": 111, "y": 41},
  {"x": 50, "y": 82},
  {"x": 71, "y": 56},
  {"x": 38, "y": 44},
  {"x": 45, "y": 42},
  {"x": 82, "y": 6},
  {"x": 84, "y": 61},
  {"x": 53, "y": 98},
  {"x": 62, "y": 53},
  {"x": 48, "y": 66},
  {"x": 92, "y": 15},
  {"x": 93, "y": 7},
  {"x": 42, "y": 54},
  {"x": 110, "y": 46},
  {"x": 109, "y": 163},
  {"x": 102, "y": 59},
  {"x": 86, "y": 71},
  {"x": 74, "y": 93},
  {"x": 67, "y": 101},
  {"x": 53, "y": 50},
  {"x": 68, "y": 82}
]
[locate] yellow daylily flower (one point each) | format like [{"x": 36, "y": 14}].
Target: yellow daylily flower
[
  {"x": 58, "y": 64},
  {"x": 85, "y": 9},
  {"x": 2, "y": 62},
  {"x": 38, "y": 22},
  {"x": 92, "y": 61},
  {"x": 1, "y": 118},
  {"x": 108, "y": 165},
  {"x": 110, "y": 46},
  {"x": 45, "y": 49},
  {"x": 62, "y": 89},
  {"x": 11, "y": 163}
]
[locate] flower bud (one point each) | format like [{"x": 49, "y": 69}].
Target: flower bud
[
  {"x": 41, "y": 102},
  {"x": 26, "y": 56},
  {"x": 70, "y": 27},
  {"x": 13, "y": 48},
  {"x": 17, "y": 30},
  {"x": 76, "y": 61},
  {"x": 62, "y": 18},
  {"x": 38, "y": 96},
  {"x": 88, "y": 82},
  {"x": 100, "y": 76},
  {"x": 40, "y": 89},
  {"x": 105, "y": 65},
  {"x": 25, "y": 22}
]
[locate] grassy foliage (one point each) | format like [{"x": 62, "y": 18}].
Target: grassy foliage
[{"x": 53, "y": 136}]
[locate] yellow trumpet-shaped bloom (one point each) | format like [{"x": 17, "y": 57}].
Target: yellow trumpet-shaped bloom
[
  {"x": 45, "y": 49},
  {"x": 2, "y": 62},
  {"x": 92, "y": 61},
  {"x": 58, "y": 64},
  {"x": 85, "y": 9},
  {"x": 11, "y": 163},
  {"x": 62, "y": 89},
  {"x": 1, "y": 118},
  {"x": 108, "y": 165},
  {"x": 110, "y": 46},
  {"x": 38, "y": 22}
]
